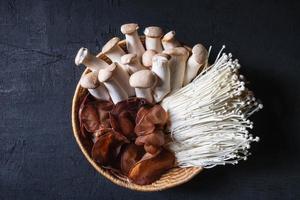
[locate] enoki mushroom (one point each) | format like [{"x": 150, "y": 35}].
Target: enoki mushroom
[{"x": 209, "y": 117}]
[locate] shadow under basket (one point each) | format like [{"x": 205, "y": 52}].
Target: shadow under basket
[{"x": 171, "y": 178}]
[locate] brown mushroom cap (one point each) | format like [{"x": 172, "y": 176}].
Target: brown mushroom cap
[
  {"x": 106, "y": 74},
  {"x": 128, "y": 58},
  {"x": 129, "y": 28},
  {"x": 169, "y": 36},
  {"x": 89, "y": 80},
  {"x": 199, "y": 53},
  {"x": 142, "y": 79},
  {"x": 177, "y": 51},
  {"x": 81, "y": 55},
  {"x": 153, "y": 31},
  {"x": 147, "y": 57},
  {"x": 110, "y": 44}
]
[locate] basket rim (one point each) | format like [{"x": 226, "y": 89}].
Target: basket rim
[{"x": 132, "y": 186}]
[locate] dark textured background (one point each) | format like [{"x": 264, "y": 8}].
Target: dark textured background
[{"x": 39, "y": 158}]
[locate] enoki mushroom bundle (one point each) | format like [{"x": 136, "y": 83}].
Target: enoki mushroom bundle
[{"x": 209, "y": 117}]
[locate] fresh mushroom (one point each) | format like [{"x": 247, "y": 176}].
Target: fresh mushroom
[
  {"x": 96, "y": 89},
  {"x": 153, "y": 35},
  {"x": 133, "y": 42},
  {"x": 197, "y": 60},
  {"x": 90, "y": 61},
  {"x": 110, "y": 80},
  {"x": 161, "y": 68},
  {"x": 143, "y": 81},
  {"x": 147, "y": 58},
  {"x": 177, "y": 63},
  {"x": 169, "y": 41},
  {"x": 113, "y": 51},
  {"x": 123, "y": 78},
  {"x": 132, "y": 63}
]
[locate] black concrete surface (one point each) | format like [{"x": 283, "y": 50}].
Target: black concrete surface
[{"x": 39, "y": 158}]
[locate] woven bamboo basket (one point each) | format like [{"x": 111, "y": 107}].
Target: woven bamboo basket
[{"x": 171, "y": 178}]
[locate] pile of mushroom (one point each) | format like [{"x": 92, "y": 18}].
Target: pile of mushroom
[
  {"x": 121, "y": 114},
  {"x": 145, "y": 93}
]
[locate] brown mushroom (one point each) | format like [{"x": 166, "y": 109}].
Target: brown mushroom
[
  {"x": 106, "y": 149},
  {"x": 150, "y": 168},
  {"x": 130, "y": 156}
]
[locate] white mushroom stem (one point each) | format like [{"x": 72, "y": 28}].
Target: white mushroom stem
[
  {"x": 169, "y": 41},
  {"x": 143, "y": 81},
  {"x": 153, "y": 38},
  {"x": 90, "y": 61},
  {"x": 177, "y": 63},
  {"x": 117, "y": 93},
  {"x": 133, "y": 42},
  {"x": 123, "y": 78},
  {"x": 113, "y": 51},
  {"x": 95, "y": 88},
  {"x": 144, "y": 93},
  {"x": 100, "y": 93},
  {"x": 197, "y": 60},
  {"x": 161, "y": 68},
  {"x": 132, "y": 63}
]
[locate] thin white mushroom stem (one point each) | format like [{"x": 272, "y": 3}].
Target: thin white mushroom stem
[
  {"x": 133, "y": 42},
  {"x": 161, "y": 68},
  {"x": 213, "y": 130},
  {"x": 153, "y": 38},
  {"x": 95, "y": 88},
  {"x": 177, "y": 63},
  {"x": 90, "y": 61},
  {"x": 196, "y": 61},
  {"x": 116, "y": 91}
]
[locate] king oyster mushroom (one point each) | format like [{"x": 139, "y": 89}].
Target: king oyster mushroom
[
  {"x": 132, "y": 63},
  {"x": 153, "y": 35},
  {"x": 90, "y": 61},
  {"x": 161, "y": 68},
  {"x": 147, "y": 58},
  {"x": 113, "y": 51},
  {"x": 169, "y": 41},
  {"x": 133, "y": 42},
  {"x": 109, "y": 78},
  {"x": 143, "y": 81},
  {"x": 96, "y": 89},
  {"x": 177, "y": 63},
  {"x": 197, "y": 60}
]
